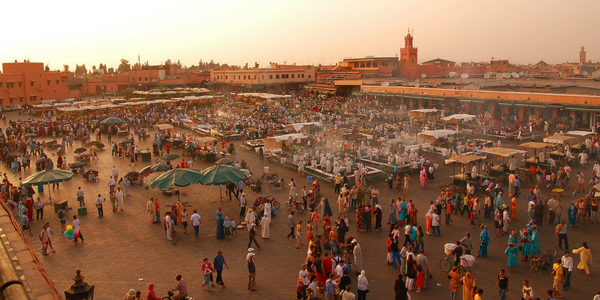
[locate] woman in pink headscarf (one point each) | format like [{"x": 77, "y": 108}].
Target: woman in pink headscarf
[
  {"x": 423, "y": 178},
  {"x": 151, "y": 294}
]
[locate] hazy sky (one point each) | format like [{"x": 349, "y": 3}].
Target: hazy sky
[{"x": 307, "y": 31}]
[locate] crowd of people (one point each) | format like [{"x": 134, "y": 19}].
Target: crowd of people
[{"x": 334, "y": 254}]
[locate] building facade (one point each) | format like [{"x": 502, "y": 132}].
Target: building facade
[
  {"x": 259, "y": 78},
  {"x": 23, "y": 83}
]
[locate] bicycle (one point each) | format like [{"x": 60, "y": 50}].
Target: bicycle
[
  {"x": 446, "y": 264},
  {"x": 539, "y": 261}
]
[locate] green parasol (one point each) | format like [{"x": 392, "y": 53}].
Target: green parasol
[
  {"x": 48, "y": 177},
  {"x": 221, "y": 175},
  {"x": 112, "y": 121}
]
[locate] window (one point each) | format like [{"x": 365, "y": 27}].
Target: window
[
  {"x": 270, "y": 76},
  {"x": 57, "y": 81},
  {"x": 21, "y": 99},
  {"x": 140, "y": 79},
  {"x": 413, "y": 60},
  {"x": 1, "y": 84},
  {"x": 133, "y": 79},
  {"x": 375, "y": 64},
  {"x": 292, "y": 75},
  {"x": 226, "y": 77},
  {"x": 263, "y": 77},
  {"x": 244, "y": 77},
  {"x": 362, "y": 65},
  {"x": 308, "y": 76},
  {"x": 48, "y": 81},
  {"x": 32, "y": 98},
  {"x": 368, "y": 64},
  {"x": 63, "y": 81},
  {"x": 302, "y": 75},
  {"x": 146, "y": 78},
  {"x": 276, "y": 76},
  {"x": 11, "y": 100},
  {"x": 31, "y": 83},
  {"x": 20, "y": 84}
]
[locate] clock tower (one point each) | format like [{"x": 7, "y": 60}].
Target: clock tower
[{"x": 408, "y": 58}]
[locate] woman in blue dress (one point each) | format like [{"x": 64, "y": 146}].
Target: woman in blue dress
[
  {"x": 392, "y": 218},
  {"x": 526, "y": 239},
  {"x": 402, "y": 215},
  {"x": 535, "y": 242},
  {"x": 220, "y": 230},
  {"x": 572, "y": 214},
  {"x": 512, "y": 252}
]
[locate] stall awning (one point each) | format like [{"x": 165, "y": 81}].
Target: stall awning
[
  {"x": 464, "y": 159},
  {"x": 163, "y": 126},
  {"x": 535, "y": 145},
  {"x": 559, "y": 139},
  {"x": 583, "y": 108},
  {"x": 504, "y": 152}
]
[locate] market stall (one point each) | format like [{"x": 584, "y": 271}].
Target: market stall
[
  {"x": 502, "y": 168},
  {"x": 538, "y": 159},
  {"x": 464, "y": 176}
]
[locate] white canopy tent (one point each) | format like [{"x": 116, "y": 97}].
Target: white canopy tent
[
  {"x": 431, "y": 135},
  {"x": 460, "y": 117}
]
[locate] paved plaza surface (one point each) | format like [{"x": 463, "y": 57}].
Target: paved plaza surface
[{"x": 124, "y": 250}]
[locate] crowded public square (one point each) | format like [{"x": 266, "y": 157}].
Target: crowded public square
[{"x": 303, "y": 196}]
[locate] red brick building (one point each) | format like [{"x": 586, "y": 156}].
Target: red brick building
[{"x": 25, "y": 82}]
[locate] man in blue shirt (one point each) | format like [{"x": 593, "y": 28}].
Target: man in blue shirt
[
  {"x": 330, "y": 288},
  {"x": 218, "y": 262}
]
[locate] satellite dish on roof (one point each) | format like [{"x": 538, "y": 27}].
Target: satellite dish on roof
[
  {"x": 506, "y": 75},
  {"x": 423, "y": 75},
  {"x": 486, "y": 76},
  {"x": 499, "y": 76},
  {"x": 385, "y": 84},
  {"x": 596, "y": 75},
  {"x": 464, "y": 75},
  {"x": 417, "y": 85},
  {"x": 584, "y": 73},
  {"x": 416, "y": 80},
  {"x": 514, "y": 74},
  {"x": 521, "y": 73},
  {"x": 452, "y": 74}
]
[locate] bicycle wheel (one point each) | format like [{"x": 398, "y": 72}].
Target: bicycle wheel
[
  {"x": 288, "y": 205},
  {"x": 553, "y": 251},
  {"x": 276, "y": 204},
  {"x": 274, "y": 177},
  {"x": 262, "y": 178},
  {"x": 272, "y": 186},
  {"x": 446, "y": 265}
]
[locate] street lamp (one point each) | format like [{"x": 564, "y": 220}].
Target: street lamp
[{"x": 80, "y": 290}]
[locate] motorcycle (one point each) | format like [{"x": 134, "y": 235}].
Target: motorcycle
[
  {"x": 292, "y": 203},
  {"x": 277, "y": 184},
  {"x": 269, "y": 176}
]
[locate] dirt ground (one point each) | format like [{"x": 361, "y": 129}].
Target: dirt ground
[{"x": 125, "y": 250}]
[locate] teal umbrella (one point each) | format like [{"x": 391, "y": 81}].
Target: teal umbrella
[
  {"x": 48, "y": 177},
  {"x": 160, "y": 168},
  {"x": 171, "y": 157},
  {"x": 112, "y": 121},
  {"x": 176, "y": 177},
  {"x": 221, "y": 175}
]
